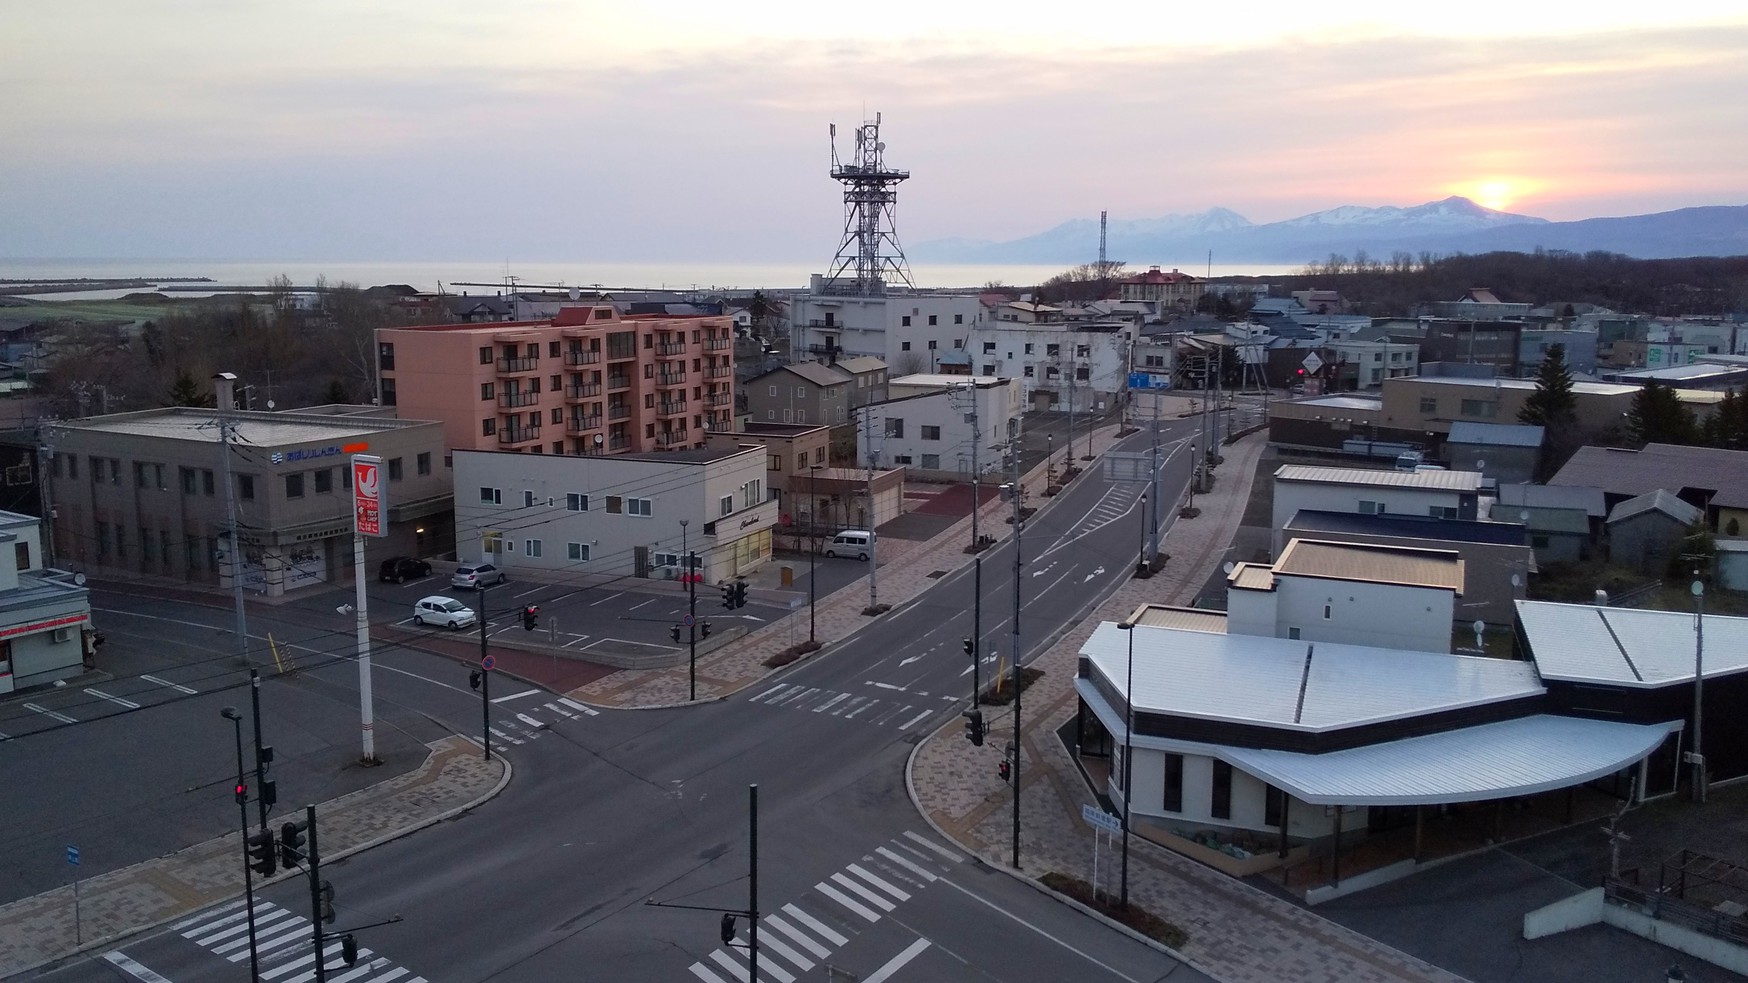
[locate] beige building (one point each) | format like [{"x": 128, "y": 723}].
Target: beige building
[
  {"x": 1430, "y": 404},
  {"x": 790, "y": 450},
  {"x": 143, "y": 493}
]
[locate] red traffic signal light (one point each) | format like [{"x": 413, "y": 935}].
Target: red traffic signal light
[
  {"x": 1004, "y": 771},
  {"x": 530, "y": 617},
  {"x": 242, "y": 792}
]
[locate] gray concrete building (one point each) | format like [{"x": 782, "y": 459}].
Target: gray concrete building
[{"x": 45, "y": 616}]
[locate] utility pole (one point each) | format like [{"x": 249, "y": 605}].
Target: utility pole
[
  {"x": 485, "y": 679},
  {"x": 1019, "y": 526},
  {"x": 976, "y": 471},
  {"x": 1697, "y": 755},
  {"x": 691, "y": 618},
  {"x": 224, "y": 388},
  {"x": 369, "y": 510},
  {"x": 263, "y": 755},
  {"x": 1153, "y": 481},
  {"x": 45, "y": 461},
  {"x": 873, "y": 516}
]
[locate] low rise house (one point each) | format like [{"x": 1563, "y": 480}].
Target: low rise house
[
  {"x": 1646, "y": 532},
  {"x": 1444, "y": 494},
  {"x": 938, "y": 426},
  {"x": 1505, "y": 453},
  {"x": 1562, "y": 521},
  {"x": 45, "y": 614},
  {"x": 1327, "y": 591},
  {"x": 1710, "y": 478},
  {"x": 805, "y": 393}
]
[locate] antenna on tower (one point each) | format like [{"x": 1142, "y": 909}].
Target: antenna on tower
[
  {"x": 1102, "y": 241},
  {"x": 870, "y": 242}
]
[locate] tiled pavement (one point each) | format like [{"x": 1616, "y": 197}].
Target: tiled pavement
[{"x": 455, "y": 777}]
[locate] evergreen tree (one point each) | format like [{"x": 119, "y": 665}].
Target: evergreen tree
[
  {"x": 185, "y": 391},
  {"x": 1657, "y": 417},
  {"x": 1554, "y": 408}
]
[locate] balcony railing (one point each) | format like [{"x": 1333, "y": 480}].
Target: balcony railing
[
  {"x": 671, "y": 438},
  {"x": 582, "y": 357},
  {"x": 618, "y": 382},
  {"x": 618, "y": 443},
  {"x": 618, "y": 412},
  {"x": 671, "y": 348},
  {"x": 719, "y": 399},
  {"x": 582, "y": 424},
  {"x": 518, "y": 435},
  {"x": 518, "y": 399},
  {"x": 616, "y": 353},
  {"x": 718, "y": 344},
  {"x": 525, "y": 364},
  {"x": 583, "y": 391},
  {"x": 670, "y": 378},
  {"x": 671, "y": 408},
  {"x": 719, "y": 372}
]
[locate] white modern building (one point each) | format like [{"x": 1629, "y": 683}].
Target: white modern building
[
  {"x": 1327, "y": 591},
  {"x": 907, "y": 331},
  {"x": 1446, "y": 494},
  {"x": 1087, "y": 363},
  {"x": 44, "y": 614},
  {"x": 929, "y": 424},
  {"x": 627, "y": 515}
]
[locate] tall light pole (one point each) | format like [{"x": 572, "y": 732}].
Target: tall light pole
[
  {"x": 812, "y": 545},
  {"x": 691, "y": 617},
  {"x": 236, "y": 719},
  {"x": 1697, "y": 756},
  {"x": 1128, "y": 751}
]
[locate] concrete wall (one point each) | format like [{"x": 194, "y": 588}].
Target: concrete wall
[
  {"x": 1381, "y": 615},
  {"x": 1249, "y": 800},
  {"x": 1487, "y": 571}
]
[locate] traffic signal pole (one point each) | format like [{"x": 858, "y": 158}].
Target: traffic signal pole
[
  {"x": 315, "y": 861},
  {"x": 692, "y": 626},
  {"x": 485, "y": 682}
]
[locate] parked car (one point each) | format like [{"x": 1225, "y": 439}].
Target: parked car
[
  {"x": 440, "y": 610},
  {"x": 851, "y": 542},
  {"x": 399, "y": 569},
  {"x": 476, "y": 575}
]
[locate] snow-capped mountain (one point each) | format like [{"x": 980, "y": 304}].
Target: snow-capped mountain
[{"x": 1453, "y": 214}]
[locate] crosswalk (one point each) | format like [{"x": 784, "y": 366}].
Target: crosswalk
[
  {"x": 863, "y": 707},
  {"x": 804, "y": 933},
  {"x": 283, "y": 946},
  {"x": 1113, "y": 505},
  {"x": 519, "y": 727}
]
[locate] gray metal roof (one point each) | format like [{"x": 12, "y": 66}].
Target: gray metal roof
[
  {"x": 1588, "y": 498},
  {"x": 1495, "y": 434},
  {"x": 1627, "y": 646},
  {"x": 1490, "y": 761},
  {"x": 261, "y": 429},
  {"x": 1422, "y": 528},
  {"x": 1459, "y": 481},
  {"x": 1297, "y": 685},
  {"x": 1723, "y": 474},
  {"x": 1656, "y": 501}
]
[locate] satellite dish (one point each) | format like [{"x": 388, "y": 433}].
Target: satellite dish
[
  {"x": 79, "y": 579},
  {"x": 1516, "y": 580},
  {"x": 1479, "y": 626},
  {"x": 1480, "y": 464},
  {"x": 1230, "y": 566},
  {"x": 271, "y": 404}
]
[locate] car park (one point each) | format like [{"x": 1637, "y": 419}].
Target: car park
[
  {"x": 443, "y": 611},
  {"x": 400, "y": 569},
  {"x": 476, "y": 575}
]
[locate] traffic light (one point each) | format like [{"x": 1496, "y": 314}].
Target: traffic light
[
  {"x": 1004, "y": 770},
  {"x": 530, "y": 617},
  {"x": 974, "y": 727},
  {"x": 327, "y": 909},
  {"x": 740, "y": 593},
  {"x": 291, "y": 843},
  {"x": 262, "y": 853},
  {"x": 727, "y": 929},
  {"x": 970, "y": 647},
  {"x": 473, "y": 679},
  {"x": 674, "y": 633},
  {"x": 728, "y": 596},
  {"x": 269, "y": 792},
  {"x": 703, "y": 629},
  {"x": 348, "y": 949},
  {"x": 242, "y": 794}
]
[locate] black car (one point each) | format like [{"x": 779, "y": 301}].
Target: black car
[{"x": 396, "y": 569}]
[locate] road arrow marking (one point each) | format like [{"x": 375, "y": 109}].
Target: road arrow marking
[
  {"x": 1096, "y": 573},
  {"x": 908, "y": 661},
  {"x": 1040, "y": 573}
]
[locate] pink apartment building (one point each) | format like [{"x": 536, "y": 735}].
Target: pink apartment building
[{"x": 586, "y": 382}]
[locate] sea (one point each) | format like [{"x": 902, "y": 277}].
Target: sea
[{"x": 490, "y": 276}]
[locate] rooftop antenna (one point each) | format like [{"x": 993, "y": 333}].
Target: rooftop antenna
[
  {"x": 870, "y": 242},
  {"x": 1102, "y": 215}
]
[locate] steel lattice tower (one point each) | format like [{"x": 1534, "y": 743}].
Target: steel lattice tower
[{"x": 870, "y": 243}]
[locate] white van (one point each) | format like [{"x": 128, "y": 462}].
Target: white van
[{"x": 851, "y": 542}]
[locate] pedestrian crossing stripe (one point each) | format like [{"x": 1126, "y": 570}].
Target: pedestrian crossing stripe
[
  {"x": 281, "y": 943},
  {"x": 792, "y": 940},
  {"x": 849, "y": 706}
]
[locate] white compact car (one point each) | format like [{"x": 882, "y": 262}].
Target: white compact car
[{"x": 439, "y": 610}]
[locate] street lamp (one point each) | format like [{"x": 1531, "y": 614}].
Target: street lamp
[
  {"x": 1050, "y": 459},
  {"x": 1696, "y": 755},
  {"x": 812, "y": 543},
  {"x": 691, "y": 617},
  {"x": 236, "y": 719},
  {"x": 1128, "y": 752}
]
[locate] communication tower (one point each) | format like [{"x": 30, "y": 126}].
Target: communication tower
[{"x": 870, "y": 245}]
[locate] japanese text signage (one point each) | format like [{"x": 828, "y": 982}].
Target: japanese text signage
[{"x": 369, "y": 497}]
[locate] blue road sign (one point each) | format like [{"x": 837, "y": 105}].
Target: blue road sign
[
  {"x": 72, "y": 855},
  {"x": 488, "y": 663},
  {"x": 1100, "y": 819},
  {"x": 687, "y": 621}
]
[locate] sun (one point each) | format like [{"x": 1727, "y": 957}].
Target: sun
[{"x": 1495, "y": 194}]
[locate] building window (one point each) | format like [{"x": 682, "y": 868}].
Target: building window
[
  {"x": 1293, "y": 633},
  {"x": 989, "y": 348},
  {"x": 988, "y": 369},
  {"x": 1028, "y": 372},
  {"x": 1328, "y": 610},
  {"x": 901, "y": 459},
  {"x": 491, "y": 496},
  {"x": 486, "y": 391},
  {"x": 488, "y": 426},
  {"x": 895, "y": 427},
  {"x": 557, "y": 418},
  {"x": 958, "y": 319},
  {"x": 576, "y": 503},
  {"x": 1479, "y": 407},
  {"x": 578, "y": 551},
  {"x": 527, "y": 499},
  {"x": 932, "y": 462},
  {"x": 775, "y": 463},
  {"x": 246, "y": 487},
  {"x": 206, "y": 483},
  {"x": 1371, "y": 508},
  {"x": 485, "y": 355},
  {"x": 294, "y": 486},
  {"x": 552, "y": 349},
  {"x": 905, "y": 320},
  {"x": 932, "y": 319},
  {"x": 324, "y": 483},
  {"x": 931, "y": 344},
  {"x": 423, "y": 462},
  {"x": 930, "y": 433},
  {"x": 533, "y": 547},
  {"x": 389, "y": 398},
  {"x": 395, "y": 471},
  {"x": 615, "y": 505},
  {"x": 725, "y": 505},
  {"x": 102, "y": 540},
  {"x": 21, "y": 555},
  {"x": 1220, "y": 802},
  {"x": 638, "y": 506},
  {"x": 1273, "y": 804},
  {"x": 1053, "y": 351},
  {"x": 800, "y": 392},
  {"x": 904, "y": 346},
  {"x": 1442, "y": 512},
  {"x": 1428, "y": 405},
  {"x": 187, "y": 481},
  {"x": 1174, "y": 783}
]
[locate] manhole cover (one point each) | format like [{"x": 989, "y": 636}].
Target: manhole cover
[{"x": 937, "y": 573}]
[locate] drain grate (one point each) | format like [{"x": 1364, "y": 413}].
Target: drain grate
[{"x": 937, "y": 574}]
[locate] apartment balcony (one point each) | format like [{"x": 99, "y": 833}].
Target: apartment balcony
[
  {"x": 618, "y": 412},
  {"x": 583, "y": 357},
  {"x": 518, "y": 435},
  {"x": 670, "y": 348},
  {"x": 511, "y": 366},
  {"x": 719, "y": 372},
  {"x": 583, "y": 391},
  {"x": 670, "y": 379},
  {"x": 618, "y": 443},
  {"x": 718, "y": 344},
  {"x": 619, "y": 382},
  {"x": 582, "y": 424},
  {"x": 511, "y": 400},
  {"x": 672, "y": 438},
  {"x": 719, "y": 399},
  {"x": 671, "y": 408}
]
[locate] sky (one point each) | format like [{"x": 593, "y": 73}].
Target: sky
[{"x": 691, "y": 130}]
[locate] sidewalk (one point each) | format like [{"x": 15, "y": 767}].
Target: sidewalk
[
  {"x": 454, "y": 778},
  {"x": 1236, "y": 932}
]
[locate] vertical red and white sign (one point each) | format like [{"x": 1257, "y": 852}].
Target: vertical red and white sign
[{"x": 369, "y": 497}]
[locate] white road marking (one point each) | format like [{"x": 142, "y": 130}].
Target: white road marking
[
  {"x": 532, "y": 722},
  {"x": 825, "y": 931},
  {"x": 906, "y": 662},
  {"x": 133, "y": 969},
  {"x": 898, "y": 859},
  {"x": 799, "y": 694},
  {"x": 888, "y": 686},
  {"x": 770, "y": 942},
  {"x": 728, "y": 963},
  {"x": 910, "y": 952},
  {"x": 859, "y": 709},
  {"x": 889, "y": 888},
  {"x": 583, "y": 707},
  {"x": 63, "y": 718},
  {"x": 1089, "y": 958},
  {"x": 800, "y": 938},
  {"x": 561, "y": 711},
  {"x": 203, "y": 916},
  {"x": 769, "y": 967},
  {"x": 517, "y": 696},
  {"x": 864, "y": 891},
  {"x": 579, "y": 638},
  {"x": 766, "y": 693},
  {"x": 914, "y": 720},
  {"x": 603, "y": 600},
  {"x": 369, "y": 966},
  {"x": 1047, "y": 569},
  {"x": 531, "y": 590},
  {"x": 500, "y": 735},
  {"x": 834, "y": 701},
  {"x": 118, "y": 701},
  {"x": 647, "y": 603},
  {"x": 706, "y": 975},
  {"x": 923, "y": 841},
  {"x": 844, "y": 899},
  {"x": 178, "y": 687},
  {"x": 1096, "y": 573},
  {"x": 752, "y": 617}
]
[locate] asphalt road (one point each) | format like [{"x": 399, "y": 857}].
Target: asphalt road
[{"x": 550, "y": 879}]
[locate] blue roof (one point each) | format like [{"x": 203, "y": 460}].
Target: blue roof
[
  {"x": 1408, "y": 527},
  {"x": 1495, "y": 434}
]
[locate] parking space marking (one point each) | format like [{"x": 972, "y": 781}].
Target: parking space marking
[
  {"x": 579, "y": 638},
  {"x": 63, "y": 718},
  {"x": 178, "y": 687},
  {"x": 118, "y": 701}
]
